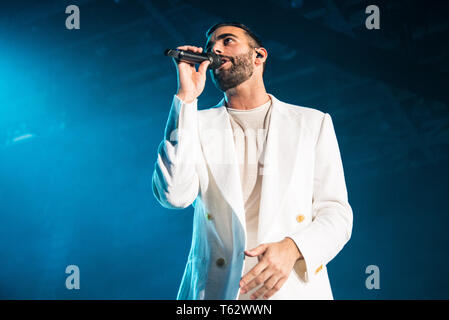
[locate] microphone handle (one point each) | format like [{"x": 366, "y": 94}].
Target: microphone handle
[
  {"x": 194, "y": 57},
  {"x": 187, "y": 56},
  {"x": 183, "y": 55}
]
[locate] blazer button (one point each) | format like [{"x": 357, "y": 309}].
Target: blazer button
[
  {"x": 209, "y": 216},
  {"x": 300, "y": 218},
  {"x": 220, "y": 262}
]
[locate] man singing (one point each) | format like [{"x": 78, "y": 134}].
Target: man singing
[{"x": 265, "y": 178}]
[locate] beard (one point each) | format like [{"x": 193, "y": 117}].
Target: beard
[{"x": 241, "y": 70}]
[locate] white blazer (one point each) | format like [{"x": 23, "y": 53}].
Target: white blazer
[{"x": 303, "y": 196}]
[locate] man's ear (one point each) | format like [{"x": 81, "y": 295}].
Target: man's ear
[{"x": 261, "y": 53}]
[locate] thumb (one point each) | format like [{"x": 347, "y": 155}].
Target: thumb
[
  {"x": 203, "y": 67},
  {"x": 257, "y": 250}
]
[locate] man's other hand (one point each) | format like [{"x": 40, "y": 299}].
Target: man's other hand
[{"x": 276, "y": 261}]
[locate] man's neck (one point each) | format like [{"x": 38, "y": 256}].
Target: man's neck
[{"x": 246, "y": 96}]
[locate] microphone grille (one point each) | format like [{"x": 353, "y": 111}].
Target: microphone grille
[{"x": 215, "y": 60}]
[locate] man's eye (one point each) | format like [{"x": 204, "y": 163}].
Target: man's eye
[{"x": 226, "y": 40}]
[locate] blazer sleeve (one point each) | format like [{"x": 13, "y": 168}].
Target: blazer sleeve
[
  {"x": 332, "y": 216},
  {"x": 175, "y": 180}
]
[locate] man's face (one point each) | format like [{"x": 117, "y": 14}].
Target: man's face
[{"x": 231, "y": 44}]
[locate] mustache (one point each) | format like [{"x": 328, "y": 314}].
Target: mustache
[{"x": 227, "y": 57}]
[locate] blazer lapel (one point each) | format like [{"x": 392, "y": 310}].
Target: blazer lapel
[
  {"x": 280, "y": 153},
  {"x": 217, "y": 140}
]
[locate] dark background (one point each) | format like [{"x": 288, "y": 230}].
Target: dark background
[{"x": 83, "y": 111}]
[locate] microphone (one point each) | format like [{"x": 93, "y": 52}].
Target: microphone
[{"x": 192, "y": 57}]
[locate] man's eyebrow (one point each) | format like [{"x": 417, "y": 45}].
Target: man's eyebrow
[{"x": 221, "y": 36}]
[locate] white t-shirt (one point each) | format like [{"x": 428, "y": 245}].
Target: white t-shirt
[{"x": 250, "y": 128}]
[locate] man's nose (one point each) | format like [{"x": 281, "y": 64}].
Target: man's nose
[{"x": 217, "y": 50}]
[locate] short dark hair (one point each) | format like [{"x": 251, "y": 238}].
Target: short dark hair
[
  {"x": 251, "y": 34},
  {"x": 256, "y": 42}
]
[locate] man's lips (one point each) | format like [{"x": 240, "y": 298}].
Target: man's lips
[{"x": 225, "y": 61}]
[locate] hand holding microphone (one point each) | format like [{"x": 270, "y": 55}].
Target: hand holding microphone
[
  {"x": 195, "y": 57},
  {"x": 190, "y": 81}
]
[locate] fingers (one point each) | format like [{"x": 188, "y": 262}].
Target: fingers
[
  {"x": 257, "y": 281},
  {"x": 275, "y": 288},
  {"x": 191, "y": 48},
  {"x": 268, "y": 285},
  {"x": 257, "y": 250},
  {"x": 203, "y": 67},
  {"x": 254, "y": 272}
]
